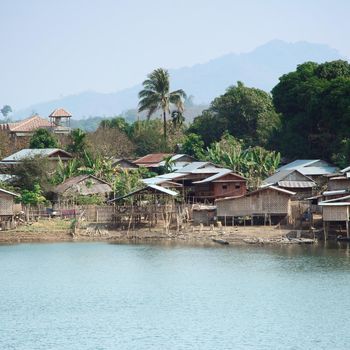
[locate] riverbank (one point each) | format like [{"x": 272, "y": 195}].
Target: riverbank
[{"x": 61, "y": 231}]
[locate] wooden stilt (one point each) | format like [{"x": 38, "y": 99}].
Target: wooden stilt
[{"x": 325, "y": 230}]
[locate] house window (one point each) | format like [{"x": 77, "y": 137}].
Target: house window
[
  {"x": 224, "y": 187},
  {"x": 237, "y": 186}
]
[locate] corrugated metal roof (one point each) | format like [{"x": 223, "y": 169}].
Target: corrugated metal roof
[
  {"x": 336, "y": 199},
  {"x": 164, "y": 190},
  {"x": 8, "y": 192},
  {"x": 279, "y": 176},
  {"x": 6, "y": 177},
  {"x": 153, "y": 158},
  {"x": 221, "y": 173},
  {"x": 296, "y": 184},
  {"x": 170, "y": 176},
  {"x": 193, "y": 166},
  {"x": 29, "y": 153},
  {"x": 309, "y": 167},
  {"x": 151, "y": 187},
  {"x": 335, "y": 192}
]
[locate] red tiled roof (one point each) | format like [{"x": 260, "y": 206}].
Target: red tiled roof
[
  {"x": 27, "y": 125},
  {"x": 152, "y": 159},
  {"x": 60, "y": 112}
]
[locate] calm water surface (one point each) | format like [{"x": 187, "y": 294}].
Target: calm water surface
[{"x": 104, "y": 296}]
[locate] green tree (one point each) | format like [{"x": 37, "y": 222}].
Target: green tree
[
  {"x": 246, "y": 113},
  {"x": 193, "y": 145},
  {"x": 31, "y": 171},
  {"x": 43, "y": 138},
  {"x": 147, "y": 137},
  {"x": 6, "y": 110},
  {"x": 254, "y": 163},
  {"x": 77, "y": 143},
  {"x": 314, "y": 102},
  {"x": 156, "y": 95},
  {"x": 33, "y": 197}
]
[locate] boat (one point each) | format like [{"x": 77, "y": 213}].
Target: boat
[
  {"x": 343, "y": 239},
  {"x": 220, "y": 241}
]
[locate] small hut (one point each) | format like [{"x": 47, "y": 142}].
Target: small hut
[
  {"x": 203, "y": 214},
  {"x": 336, "y": 216},
  {"x": 265, "y": 204},
  {"x": 82, "y": 185},
  {"x": 8, "y": 208}
]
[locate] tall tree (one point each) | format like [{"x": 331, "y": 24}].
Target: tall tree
[
  {"x": 314, "y": 102},
  {"x": 247, "y": 113},
  {"x": 156, "y": 95}
]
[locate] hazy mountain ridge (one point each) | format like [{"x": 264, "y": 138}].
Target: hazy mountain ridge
[{"x": 260, "y": 68}]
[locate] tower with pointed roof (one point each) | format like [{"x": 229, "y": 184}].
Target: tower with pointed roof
[{"x": 60, "y": 121}]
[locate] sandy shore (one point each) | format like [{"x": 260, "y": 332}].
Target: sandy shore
[{"x": 60, "y": 231}]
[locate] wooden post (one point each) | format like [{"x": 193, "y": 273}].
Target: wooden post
[
  {"x": 225, "y": 220},
  {"x": 347, "y": 222},
  {"x": 325, "y": 231}
]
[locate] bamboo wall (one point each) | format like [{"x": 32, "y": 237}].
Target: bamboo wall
[
  {"x": 335, "y": 213},
  {"x": 260, "y": 203},
  {"x": 6, "y": 204}
]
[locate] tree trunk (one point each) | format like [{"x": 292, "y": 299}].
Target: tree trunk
[{"x": 164, "y": 126}]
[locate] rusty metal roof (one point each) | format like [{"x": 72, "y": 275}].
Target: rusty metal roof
[{"x": 152, "y": 159}]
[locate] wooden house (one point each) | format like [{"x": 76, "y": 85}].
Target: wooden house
[
  {"x": 269, "y": 203},
  {"x": 54, "y": 155},
  {"x": 315, "y": 169},
  {"x": 203, "y": 182},
  {"x": 338, "y": 185},
  {"x": 294, "y": 181},
  {"x": 82, "y": 185},
  {"x": 336, "y": 216},
  {"x": 8, "y": 208}
]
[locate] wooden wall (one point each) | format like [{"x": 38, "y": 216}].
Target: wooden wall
[
  {"x": 262, "y": 202},
  {"x": 335, "y": 213},
  {"x": 6, "y": 204}
]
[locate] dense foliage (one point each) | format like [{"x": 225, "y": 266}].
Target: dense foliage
[
  {"x": 43, "y": 138},
  {"x": 314, "y": 102},
  {"x": 246, "y": 113},
  {"x": 254, "y": 163}
]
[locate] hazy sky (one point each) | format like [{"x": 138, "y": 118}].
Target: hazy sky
[{"x": 52, "y": 48}]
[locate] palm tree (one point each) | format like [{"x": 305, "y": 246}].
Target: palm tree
[{"x": 156, "y": 95}]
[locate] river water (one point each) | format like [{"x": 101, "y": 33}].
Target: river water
[{"x": 107, "y": 296}]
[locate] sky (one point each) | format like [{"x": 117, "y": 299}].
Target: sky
[{"x": 54, "y": 48}]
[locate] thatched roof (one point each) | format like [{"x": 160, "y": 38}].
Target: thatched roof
[{"x": 78, "y": 185}]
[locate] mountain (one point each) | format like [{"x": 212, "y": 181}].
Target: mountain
[{"x": 260, "y": 68}]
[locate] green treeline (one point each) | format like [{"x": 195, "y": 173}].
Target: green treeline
[{"x": 306, "y": 115}]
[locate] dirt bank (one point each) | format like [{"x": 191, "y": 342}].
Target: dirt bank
[{"x": 61, "y": 231}]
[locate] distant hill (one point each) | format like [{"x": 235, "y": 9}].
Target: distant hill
[{"x": 259, "y": 68}]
